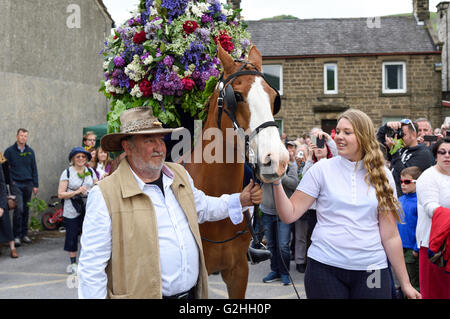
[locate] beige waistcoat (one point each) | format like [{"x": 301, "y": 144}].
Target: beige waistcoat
[{"x": 134, "y": 269}]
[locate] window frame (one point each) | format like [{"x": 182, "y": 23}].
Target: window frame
[
  {"x": 383, "y": 78},
  {"x": 325, "y": 78},
  {"x": 280, "y": 75}
]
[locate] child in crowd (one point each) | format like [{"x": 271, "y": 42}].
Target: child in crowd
[{"x": 407, "y": 228}]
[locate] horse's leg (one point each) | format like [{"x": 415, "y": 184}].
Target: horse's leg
[{"x": 236, "y": 278}]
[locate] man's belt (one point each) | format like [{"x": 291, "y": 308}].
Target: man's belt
[{"x": 190, "y": 294}]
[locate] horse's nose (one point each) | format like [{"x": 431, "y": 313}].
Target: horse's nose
[{"x": 273, "y": 164}]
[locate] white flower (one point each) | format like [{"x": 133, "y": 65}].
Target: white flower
[
  {"x": 157, "y": 96},
  {"x": 148, "y": 60},
  {"x": 134, "y": 69},
  {"x": 112, "y": 89},
  {"x": 136, "y": 91}
]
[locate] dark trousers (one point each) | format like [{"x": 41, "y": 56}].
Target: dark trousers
[
  {"x": 278, "y": 235},
  {"x": 23, "y": 192},
  {"x": 73, "y": 230},
  {"x": 328, "y": 282}
]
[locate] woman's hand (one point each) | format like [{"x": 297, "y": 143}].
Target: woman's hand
[
  {"x": 82, "y": 190},
  {"x": 411, "y": 293}
]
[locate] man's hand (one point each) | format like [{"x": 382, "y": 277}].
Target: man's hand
[
  {"x": 394, "y": 125},
  {"x": 1, "y": 212},
  {"x": 251, "y": 195},
  {"x": 35, "y": 190}
]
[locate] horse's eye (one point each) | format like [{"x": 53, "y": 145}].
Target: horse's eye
[{"x": 238, "y": 97}]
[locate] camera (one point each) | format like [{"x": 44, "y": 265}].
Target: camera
[
  {"x": 300, "y": 154},
  {"x": 447, "y": 133},
  {"x": 321, "y": 142},
  {"x": 390, "y": 132},
  {"x": 430, "y": 138}
]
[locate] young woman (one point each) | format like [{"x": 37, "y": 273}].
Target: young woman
[
  {"x": 75, "y": 182},
  {"x": 433, "y": 193},
  {"x": 103, "y": 163},
  {"x": 356, "y": 230}
]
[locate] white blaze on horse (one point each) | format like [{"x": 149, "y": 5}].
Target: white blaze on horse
[{"x": 243, "y": 101}]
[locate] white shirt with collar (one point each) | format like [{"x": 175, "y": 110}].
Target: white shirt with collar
[
  {"x": 347, "y": 232},
  {"x": 178, "y": 251}
]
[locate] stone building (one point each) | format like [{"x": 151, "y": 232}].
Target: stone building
[
  {"x": 50, "y": 73},
  {"x": 387, "y": 67}
]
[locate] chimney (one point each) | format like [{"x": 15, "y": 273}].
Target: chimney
[
  {"x": 421, "y": 10},
  {"x": 235, "y": 4}
]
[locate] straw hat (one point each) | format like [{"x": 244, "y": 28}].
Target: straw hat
[{"x": 135, "y": 121}]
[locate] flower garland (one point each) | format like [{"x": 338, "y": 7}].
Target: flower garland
[{"x": 164, "y": 57}]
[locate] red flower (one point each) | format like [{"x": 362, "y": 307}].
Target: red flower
[
  {"x": 190, "y": 26},
  {"x": 225, "y": 41},
  {"x": 188, "y": 84},
  {"x": 132, "y": 84},
  {"x": 146, "y": 88},
  {"x": 139, "y": 37}
]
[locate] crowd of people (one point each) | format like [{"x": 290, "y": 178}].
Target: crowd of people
[{"x": 353, "y": 201}]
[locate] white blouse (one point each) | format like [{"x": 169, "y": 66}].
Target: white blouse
[
  {"x": 347, "y": 231},
  {"x": 433, "y": 190}
]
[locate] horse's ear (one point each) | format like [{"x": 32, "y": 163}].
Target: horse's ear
[
  {"x": 226, "y": 59},
  {"x": 254, "y": 57}
]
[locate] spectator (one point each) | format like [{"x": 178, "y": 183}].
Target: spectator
[
  {"x": 412, "y": 154},
  {"x": 92, "y": 163},
  {"x": 356, "y": 231},
  {"x": 437, "y": 132},
  {"x": 423, "y": 128},
  {"x": 24, "y": 182},
  {"x": 103, "y": 163},
  {"x": 277, "y": 233},
  {"x": 132, "y": 216},
  {"x": 407, "y": 228},
  {"x": 305, "y": 224},
  {"x": 74, "y": 186},
  {"x": 319, "y": 133},
  {"x": 433, "y": 194},
  {"x": 89, "y": 140},
  {"x": 6, "y": 234}
]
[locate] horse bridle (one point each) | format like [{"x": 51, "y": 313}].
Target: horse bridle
[{"x": 227, "y": 95}]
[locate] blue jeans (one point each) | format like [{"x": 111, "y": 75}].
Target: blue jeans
[
  {"x": 278, "y": 235},
  {"x": 23, "y": 192}
]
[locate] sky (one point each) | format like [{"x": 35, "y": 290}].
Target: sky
[{"x": 303, "y": 9}]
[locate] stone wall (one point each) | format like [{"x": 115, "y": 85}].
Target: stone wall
[
  {"x": 50, "y": 73},
  {"x": 304, "y": 104}
]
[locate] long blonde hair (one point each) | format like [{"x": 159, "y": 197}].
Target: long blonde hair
[{"x": 373, "y": 161}]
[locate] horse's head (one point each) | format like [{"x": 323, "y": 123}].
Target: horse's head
[{"x": 251, "y": 102}]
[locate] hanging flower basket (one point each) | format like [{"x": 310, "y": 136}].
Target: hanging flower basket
[{"x": 164, "y": 57}]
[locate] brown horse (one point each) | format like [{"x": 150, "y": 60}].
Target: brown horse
[{"x": 255, "y": 100}]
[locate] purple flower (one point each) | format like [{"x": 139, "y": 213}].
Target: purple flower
[
  {"x": 206, "y": 19},
  {"x": 119, "y": 61},
  {"x": 168, "y": 60},
  {"x": 203, "y": 35},
  {"x": 175, "y": 8}
]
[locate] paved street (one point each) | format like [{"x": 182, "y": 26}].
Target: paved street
[{"x": 40, "y": 273}]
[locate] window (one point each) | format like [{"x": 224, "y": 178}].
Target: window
[
  {"x": 273, "y": 73},
  {"x": 330, "y": 83},
  {"x": 394, "y": 77}
]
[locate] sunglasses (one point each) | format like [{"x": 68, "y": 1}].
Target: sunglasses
[
  {"x": 409, "y": 122},
  {"x": 407, "y": 181},
  {"x": 443, "y": 152}
]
